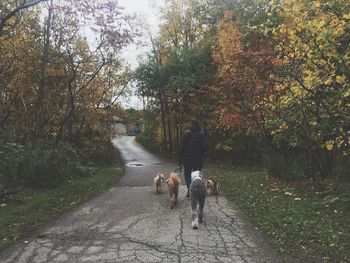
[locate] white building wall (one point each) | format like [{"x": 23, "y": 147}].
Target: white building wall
[{"x": 119, "y": 129}]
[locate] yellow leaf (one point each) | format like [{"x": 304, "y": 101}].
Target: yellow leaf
[
  {"x": 347, "y": 93},
  {"x": 329, "y": 81},
  {"x": 283, "y": 29},
  {"x": 339, "y": 31},
  {"x": 313, "y": 123},
  {"x": 341, "y": 79},
  {"x": 347, "y": 16},
  {"x": 329, "y": 145}
]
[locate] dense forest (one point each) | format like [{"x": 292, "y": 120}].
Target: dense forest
[{"x": 269, "y": 81}]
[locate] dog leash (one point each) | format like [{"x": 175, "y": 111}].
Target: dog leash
[{"x": 178, "y": 170}]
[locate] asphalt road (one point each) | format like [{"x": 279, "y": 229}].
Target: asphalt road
[{"x": 130, "y": 223}]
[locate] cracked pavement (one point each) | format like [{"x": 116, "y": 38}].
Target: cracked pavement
[{"x": 131, "y": 223}]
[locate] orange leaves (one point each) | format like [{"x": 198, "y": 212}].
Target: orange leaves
[
  {"x": 243, "y": 72},
  {"x": 228, "y": 46}
]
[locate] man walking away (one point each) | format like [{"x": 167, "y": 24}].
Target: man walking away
[{"x": 193, "y": 146}]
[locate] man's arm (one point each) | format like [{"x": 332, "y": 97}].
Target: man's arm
[
  {"x": 205, "y": 143},
  {"x": 183, "y": 144}
]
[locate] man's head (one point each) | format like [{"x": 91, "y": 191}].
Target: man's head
[{"x": 195, "y": 125}]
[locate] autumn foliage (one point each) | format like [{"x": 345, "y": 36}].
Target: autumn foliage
[
  {"x": 60, "y": 73},
  {"x": 279, "y": 73}
]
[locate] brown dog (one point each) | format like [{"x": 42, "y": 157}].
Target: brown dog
[
  {"x": 158, "y": 182},
  {"x": 173, "y": 183},
  {"x": 212, "y": 187}
]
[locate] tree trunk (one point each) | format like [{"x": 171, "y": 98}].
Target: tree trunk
[
  {"x": 162, "y": 113},
  {"x": 169, "y": 126},
  {"x": 43, "y": 74},
  {"x": 177, "y": 131}
]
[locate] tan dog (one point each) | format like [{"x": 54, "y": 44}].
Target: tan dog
[
  {"x": 173, "y": 183},
  {"x": 158, "y": 182},
  {"x": 212, "y": 187}
]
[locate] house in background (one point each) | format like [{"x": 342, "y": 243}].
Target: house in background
[{"x": 118, "y": 126}]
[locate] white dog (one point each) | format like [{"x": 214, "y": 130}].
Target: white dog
[
  {"x": 197, "y": 194},
  {"x": 158, "y": 182}
]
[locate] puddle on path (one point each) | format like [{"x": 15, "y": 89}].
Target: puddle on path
[{"x": 134, "y": 164}]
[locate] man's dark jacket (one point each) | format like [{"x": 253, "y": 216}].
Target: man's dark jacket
[{"x": 193, "y": 146}]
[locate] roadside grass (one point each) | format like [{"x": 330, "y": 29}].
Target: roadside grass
[
  {"x": 295, "y": 215},
  {"x": 29, "y": 208}
]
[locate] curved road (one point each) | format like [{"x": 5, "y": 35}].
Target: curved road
[{"x": 130, "y": 223}]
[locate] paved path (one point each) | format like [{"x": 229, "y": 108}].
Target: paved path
[{"x": 130, "y": 223}]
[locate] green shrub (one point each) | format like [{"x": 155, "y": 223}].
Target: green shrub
[
  {"x": 149, "y": 142},
  {"x": 279, "y": 167},
  {"x": 42, "y": 165},
  {"x": 300, "y": 165},
  {"x": 341, "y": 168},
  {"x": 39, "y": 166},
  {"x": 238, "y": 148},
  {"x": 95, "y": 148},
  {"x": 49, "y": 167},
  {"x": 11, "y": 155}
]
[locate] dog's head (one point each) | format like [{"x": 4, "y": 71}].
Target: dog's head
[
  {"x": 160, "y": 178},
  {"x": 196, "y": 175},
  {"x": 210, "y": 183}
]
